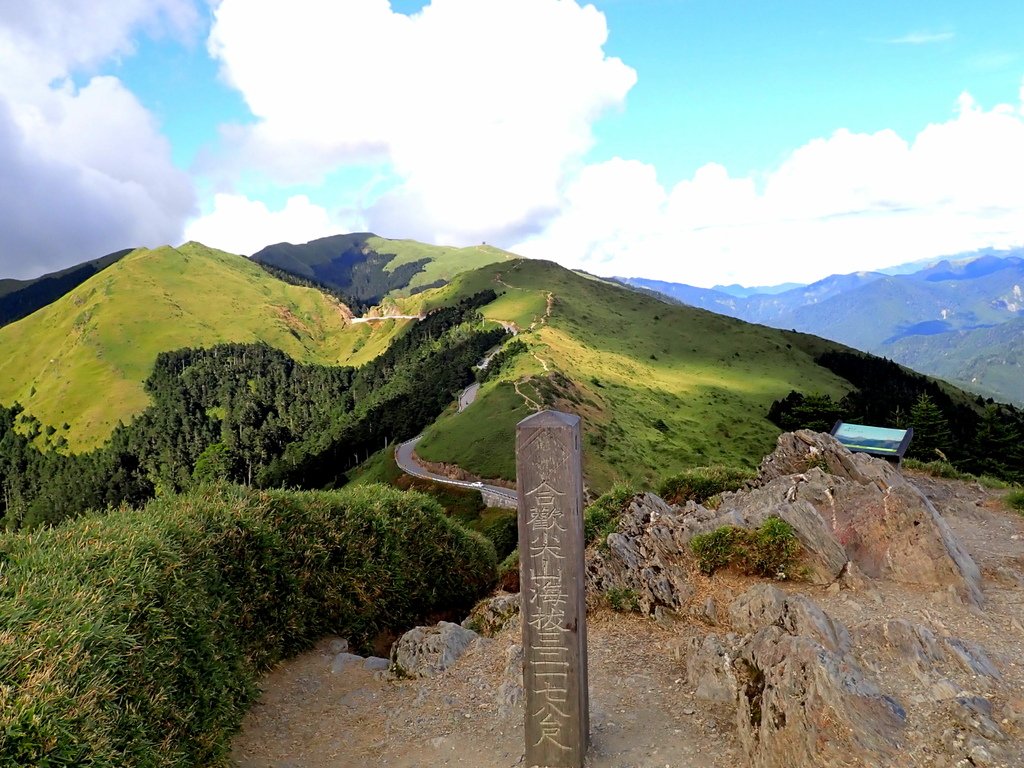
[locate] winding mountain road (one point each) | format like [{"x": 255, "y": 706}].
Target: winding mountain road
[
  {"x": 406, "y": 460},
  {"x": 405, "y": 454}
]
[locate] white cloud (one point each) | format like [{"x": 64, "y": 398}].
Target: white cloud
[
  {"x": 841, "y": 204},
  {"x": 921, "y": 37},
  {"x": 240, "y": 225},
  {"x": 481, "y": 107},
  {"x": 85, "y": 170}
]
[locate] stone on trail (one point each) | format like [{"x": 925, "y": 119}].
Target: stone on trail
[
  {"x": 342, "y": 660},
  {"x": 491, "y": 614},
  {"x": 429, "y": 651}
]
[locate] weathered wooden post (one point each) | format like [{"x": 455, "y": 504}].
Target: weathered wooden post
[{"x": 550, "y": 484}]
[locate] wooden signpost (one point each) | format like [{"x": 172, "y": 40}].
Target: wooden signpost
[{"x": 550, "y": 484}]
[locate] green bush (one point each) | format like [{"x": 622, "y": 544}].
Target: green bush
[
  {"x": 770, "y": 549},
  {"x": 602, "y": 517},
  {"x": 715, "y": 549},
  {"x": 622, "y": 600},
  {"x": 701, "y": 483},
  {"x": 1016, "y": 500},
  {"x": 136, "y": 638},
  {"x": 501, "y": 527}
]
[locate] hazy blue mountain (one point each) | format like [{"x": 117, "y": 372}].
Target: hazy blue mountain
[
  {"x": 989, "y": 361},
  {"x": 944, "y": 318},
  {"x": 738, "y": 290}
]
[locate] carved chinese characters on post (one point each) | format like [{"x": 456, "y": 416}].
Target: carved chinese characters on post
[{"x": 554, "y": 615}]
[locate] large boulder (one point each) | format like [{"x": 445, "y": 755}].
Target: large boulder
[
  {"x": 883, "y": 521},
  {"x": 429, "y": 651}
]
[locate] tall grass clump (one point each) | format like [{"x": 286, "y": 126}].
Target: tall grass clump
[
  {"x": 136, "y": 638},
  {"x": 772, "y": 549},
  {"x": 1016, "y": 500},
  {"x": 602, "y": 516},
  {"x": 701, "y": 483}
]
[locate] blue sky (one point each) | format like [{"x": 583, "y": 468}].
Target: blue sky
[{"x": 697, "y": 141}]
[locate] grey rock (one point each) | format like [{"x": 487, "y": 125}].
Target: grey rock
[
  {"x": 647, "y": 555},
  {"x": 884, "y": 522},
  {"x": 709, "y": 668},
  {"x": 972, "y": 657},
  {"x": 376, "y": 664},
  {"x": 764, "y": 605},
  {"x": 944, "y": 689},
  {"x": 342, "y": 660},
  {"x": 489, "y": 616},
  {"x": 975, "y": 712},
  {"x": 429, "y": 651},
  {"x": 509, "y": 697},
  {"x": 801, "y": 705}
]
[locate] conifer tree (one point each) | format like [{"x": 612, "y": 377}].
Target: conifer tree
[{"x": 932, "y": 438}]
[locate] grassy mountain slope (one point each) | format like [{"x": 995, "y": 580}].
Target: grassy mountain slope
[
  {"x": 82, "y": 359},
  {"x": 659, "y": 386},
  {"x": 366, "y": 268},
  {"x": 20, "y": 298}
]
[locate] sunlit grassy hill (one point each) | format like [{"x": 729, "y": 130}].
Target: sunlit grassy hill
[
  {"x": 659, "y": 386},
  {"x": 82, "y": 360}
]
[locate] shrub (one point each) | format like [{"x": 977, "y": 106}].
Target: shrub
[
  {"x": 700, "y": 483},
  {"x": 501, "y": 527},
  {"x": 715, "y": 549},
  {"x": 622, "y": 600},
  {"x": 602, "y": 517},
  {"x": 771, "y": 549},
  {"x": 1016, "y": 500},
  {"x": 136, "y": 638}
]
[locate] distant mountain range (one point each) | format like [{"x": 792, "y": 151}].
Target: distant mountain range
[{"x": 960, "y": 319}]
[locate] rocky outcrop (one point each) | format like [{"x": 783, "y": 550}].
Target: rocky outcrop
[
  {"x": 646, "y": 556},
  {"x": 801, "y": 699},
  {"x": 428, "y": 651},
  {"x": 800, "y": 704},
  {"x": 883, "y": 522},
  {"x": 860, "y": 515}
]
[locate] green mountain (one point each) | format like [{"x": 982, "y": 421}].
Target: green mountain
[
  {"x": 659, "y": 386},
  {"x": 20, "y": 298},
  {"x": 82, "y": 359},
  {"x": 989, "y": 360},
  {"x": 366, "y": 269}
]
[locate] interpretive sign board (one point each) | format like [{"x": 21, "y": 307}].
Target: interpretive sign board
[
  {"x": 549, "y": 478},
  {"x": 880, "y": 441}
]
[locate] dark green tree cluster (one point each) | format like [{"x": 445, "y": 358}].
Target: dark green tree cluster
[
  {"x": 978, "y": 437},
  {"x": 501, "y": 358},
  {"x": 248, "y": 413}
]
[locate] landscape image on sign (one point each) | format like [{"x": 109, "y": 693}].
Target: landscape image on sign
[{"x": 875, "y": 439}]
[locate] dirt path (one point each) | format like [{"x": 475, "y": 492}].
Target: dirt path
[{"x": 643, "y": 712}]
